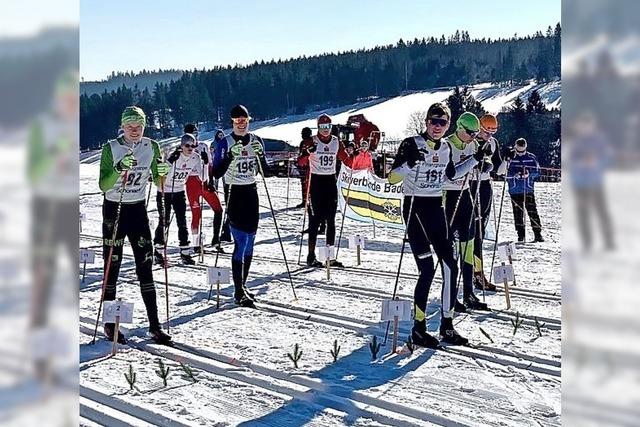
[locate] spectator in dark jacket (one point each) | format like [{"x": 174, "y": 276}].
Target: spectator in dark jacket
[
  {"x": 303, "y": 164},
  {"x": 521, "y": 175}
]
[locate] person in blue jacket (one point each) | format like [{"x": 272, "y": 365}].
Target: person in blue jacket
[{"x": 521, "y": 175}]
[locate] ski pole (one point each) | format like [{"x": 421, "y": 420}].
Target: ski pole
[
  {"x": 344, "y": 211},
  {"x": 275, "y": 223},
  {"x": 495, "y": 245},
  {"x": 480, "y": 231},
  {"x": 304, "y": 215},
  {"x": 108, "y": 267},
  {"x": 164, "y": 226},
  {"x": 404, "y": 239},
  {"x": 201, "y": 202},
  {"x": 288, "y": 176}
]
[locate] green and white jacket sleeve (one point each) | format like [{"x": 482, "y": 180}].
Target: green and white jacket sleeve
[
  {"x": 154, "y": 163},
  {"x": 108, "y": 173},
  {"x": 39, "y": 161}
]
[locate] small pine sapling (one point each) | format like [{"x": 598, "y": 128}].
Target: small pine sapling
[
  {"x": 297, "y": 354},
  {"x": 539, "y": 326},
  {"x": 189, "y": 374},
  {"x": 335, "y": 351},
  {"x": 163, "y": 372},
  {"x": 130, "y": 377},
  {"x": 516, "y": 323},
  {"x": 374, "y": 347}
]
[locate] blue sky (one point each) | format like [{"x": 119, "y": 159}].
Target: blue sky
[{"x": 118, "y": 35}]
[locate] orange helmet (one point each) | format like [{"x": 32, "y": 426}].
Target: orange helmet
[{"x": 489, "y": 122}]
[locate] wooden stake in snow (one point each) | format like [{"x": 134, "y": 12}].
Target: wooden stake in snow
[
  {"x": 87, "y": 256},
  {"x": 504, "y": 273},
  {"x": 357, "y": 242},
  {"x": 326, "y": 254},
  {"x": 117, "y": 312},
  {"x": 217, "y": 275},
  {"x": 396, "y": 310}
]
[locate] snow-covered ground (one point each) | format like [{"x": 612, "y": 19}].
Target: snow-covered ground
[{"x": 240, "y": 355}]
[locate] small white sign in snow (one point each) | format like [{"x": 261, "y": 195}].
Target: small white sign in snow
[
  {"x": 117, "y": 308},
  {"x": 326, "y": 253},
  {"x": 503, "y": 273},
  {"x": 88, "y": 256},
  {"x": 46, "y": 343},
  {"x": 506, "y": 250},
  {"x": 394, "y": 307},
  {"x": 218, "y": 274},
  {"x": 355, "y": 241}
]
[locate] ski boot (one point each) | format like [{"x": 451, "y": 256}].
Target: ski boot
[
  {"x": 226, "y": 236},
  {"x": 217, "y": 246},
  {"x": 158, "y": 258},
  {"x": 109, "y": 331},
  {"x": 313, "y": 262},
  {"x": 458, "y": 307},
  {"x": 473, "y": 303},
  {"x": 420, "y": 336},
  {"x": 449, "y": 335},
  {"x": 186, "y": 258},
  {"x": 301, "y": 205},
  {"x": 160, "y": 336},
  {"x": 538, "y": 237},
  {"x": 245, "y": 301},
  {"x": 481, "y": 282},
  {"x": 336, "y": 263},
  {"x": 196, "y": 250}
]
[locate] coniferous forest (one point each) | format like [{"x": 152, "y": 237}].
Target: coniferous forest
[{"x": 295, "y": 86}]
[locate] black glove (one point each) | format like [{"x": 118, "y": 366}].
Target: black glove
[
  {"x": 414, "y": 155},
  {"x": 450, "y": 170},
  {"x": 483, "y": 151},
  {"x": 509, "y": 154},
  {"x": 312, "y": 148},
  {"x": 205, "y": 157},
  {"x": 175, "y": 155}
]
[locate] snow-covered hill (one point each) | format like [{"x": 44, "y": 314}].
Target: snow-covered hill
[{"x": 391, "y": 115}]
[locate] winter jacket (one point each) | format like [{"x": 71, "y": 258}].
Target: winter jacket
[{"x": 522, "y": 172}]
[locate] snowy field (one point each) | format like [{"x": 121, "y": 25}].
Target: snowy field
[{"x": 244, "y": 376}]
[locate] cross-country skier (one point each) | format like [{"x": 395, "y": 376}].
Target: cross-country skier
[
  {"x": 136, "y": 157},
  {"x": 523, "y": 170},
  {"x": 481, "y": 182},
  {"x": 237, "y": 158},
  {"x": 183, "y": 160},
  {"x": 424, "y": 162},
  {"x": 198, "y": 185},
  {"x": 323, "y": 151},
  {"x": 460, "y": 206}
]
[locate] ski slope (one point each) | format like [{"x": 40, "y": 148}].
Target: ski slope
[
  {"x": 240, "y": 355},
  {"x": 391, "y": 114}
]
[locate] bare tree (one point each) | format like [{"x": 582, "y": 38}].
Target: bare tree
[{"x": 416, "y": 123}]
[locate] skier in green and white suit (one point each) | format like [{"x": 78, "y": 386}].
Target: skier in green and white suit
[{"x": 136, "y": 157}]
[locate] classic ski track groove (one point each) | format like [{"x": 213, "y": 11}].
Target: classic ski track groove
[
  {"x": 153, "y": 418},
  {"x": 211, "y": 360},
  {"x": 316, "y": 394},
  {"x": 535, "y": 364},
  {"x": 521, "y": 292}
]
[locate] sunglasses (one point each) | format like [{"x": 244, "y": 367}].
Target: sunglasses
[
  {"x": 490, "y": 131},
  {"x": 325, "y": 126},
  {"x": 240, "y": 120},
  {"x": 470, "y": 132},
  {"x": 189, "y": 146},
  {"x": 439, "y": 122}
]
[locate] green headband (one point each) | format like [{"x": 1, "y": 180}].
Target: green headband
[{"x": 133, "y": 115}]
